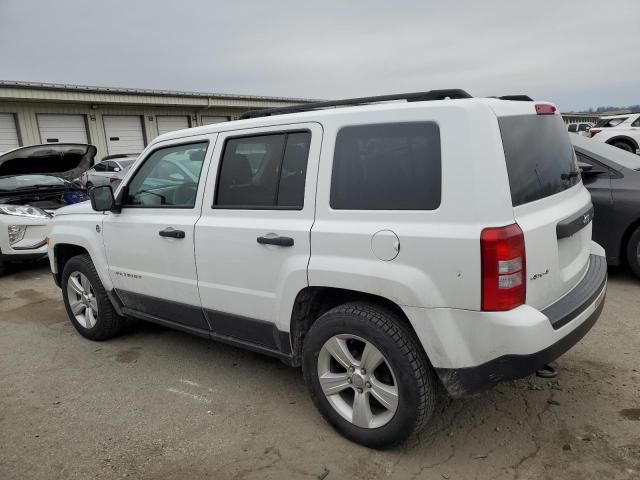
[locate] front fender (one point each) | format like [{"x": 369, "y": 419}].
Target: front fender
[{"x": 83, "y": 231}]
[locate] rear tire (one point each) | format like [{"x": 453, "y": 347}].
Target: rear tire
[
  {"x": 633, "y": 252},
  {"x": 86, "y": 301},
  {"x": 3, "y": 267},
  {"x": 403, "y": 379}
]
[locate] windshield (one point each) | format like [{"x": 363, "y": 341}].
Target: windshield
[
  {"x": 22, "y": 182},
  {"x": 539, "y": 155},
  {"x": 611, "y": 153}
]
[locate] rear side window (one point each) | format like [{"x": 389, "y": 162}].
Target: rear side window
[
  {"x": 610, "y": 122},
  {"x": 573, "y": 127},
  {"x": 392, "y": 166},
  {"x": 264, "y": 172},
  {"x": 539, "y": 155}
]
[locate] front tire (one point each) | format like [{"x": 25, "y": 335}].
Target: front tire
[
  {"x": 86, "y": 301},
  {"x": 367, "y": 374}
]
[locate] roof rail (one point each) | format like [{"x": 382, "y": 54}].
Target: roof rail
[{"x": 409, "y": 97}]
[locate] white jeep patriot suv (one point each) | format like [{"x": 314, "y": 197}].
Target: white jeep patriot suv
[{"x": 391, "y": 247}]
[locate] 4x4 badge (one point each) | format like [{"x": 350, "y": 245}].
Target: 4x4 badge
[
  {"x": 585, "y": 218},
  {"x": 536, "y": 276}
]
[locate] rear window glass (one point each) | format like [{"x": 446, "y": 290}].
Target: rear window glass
[
  {"x": 539, "y": 155},
  {"x": 610, "y": 122},
  {"x": 393, "y": 166}
]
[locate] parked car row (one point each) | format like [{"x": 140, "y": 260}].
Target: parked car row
[{"x": 621, "y": 131}]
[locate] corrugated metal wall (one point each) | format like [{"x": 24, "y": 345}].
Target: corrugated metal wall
[{"x": 26, "y": 118}]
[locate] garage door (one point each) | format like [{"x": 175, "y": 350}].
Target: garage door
[
  {"x": 210, "y": 120},
  {"x": 62, "y": 128},
  {"x": 8, "y": 132},
  {"x": 124, "y": 133},
  {"x": 169, "y": 124}
]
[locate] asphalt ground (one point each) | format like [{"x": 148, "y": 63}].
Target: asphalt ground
[{"x": 155, "y": 403}]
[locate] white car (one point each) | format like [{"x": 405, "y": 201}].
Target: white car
[
  {"x": 389, "y": 248},
  {"x": 622, "y": 131},
  {"x": 109, "y": 170},
  {"x": 34, "y": 182},
  {"x": 581, "y": 128}
]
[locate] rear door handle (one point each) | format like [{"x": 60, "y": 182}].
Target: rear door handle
[
  {"x": 279, "y": 241},
  {"x": 171, "y": 232}
]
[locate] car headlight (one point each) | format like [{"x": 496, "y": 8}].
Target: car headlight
[
  {"x": 16, "y": 233},
  {"x": 23, "y": 211}
]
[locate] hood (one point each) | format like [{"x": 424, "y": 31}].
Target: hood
[{"x": 64, "y": 160}]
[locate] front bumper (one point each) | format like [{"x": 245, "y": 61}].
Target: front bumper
[{"x": 480, "y": 349}]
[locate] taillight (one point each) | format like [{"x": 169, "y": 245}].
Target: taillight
[
  {"x": 593, "y": 131},
  {"x": 504, "y": 278},
  {"x": 113, "y": 179},
  {"x": 545, "y": 109}
]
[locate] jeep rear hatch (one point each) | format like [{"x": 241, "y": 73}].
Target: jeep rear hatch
[{"x": 550, "y": 204}]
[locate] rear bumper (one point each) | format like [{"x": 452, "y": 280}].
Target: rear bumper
[
  {"x": 463, "y": 381},
  {"x": 472, "y": 351}
]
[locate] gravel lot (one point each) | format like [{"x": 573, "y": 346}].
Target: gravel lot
[{"x": 155, "y": 403}]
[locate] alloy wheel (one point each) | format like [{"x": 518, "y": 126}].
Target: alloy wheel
[
  {"x": 82, "y": 300},
  {"x": 358, "y": 381}
]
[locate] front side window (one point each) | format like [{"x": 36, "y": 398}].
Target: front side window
[
  {"x": 168, "y": 177},
  {"x": 572, "y": 128},
  {"x": 636, "y": 123},
  {"x": 264, "y": 172},
  {"x": 393, "y": 166}
]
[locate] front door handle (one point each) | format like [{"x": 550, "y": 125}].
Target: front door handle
[
  {"x": 279, "y": 241},
  {"x": 171, "y": 232}
]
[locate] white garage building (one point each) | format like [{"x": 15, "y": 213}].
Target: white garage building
[{"x": 115, "y": 120}]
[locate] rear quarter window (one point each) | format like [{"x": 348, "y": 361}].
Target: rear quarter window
[
  {"x": 392, "y": 166},
  {"x": 610, "y": 122},
  {"x": 539, "y": 156}
]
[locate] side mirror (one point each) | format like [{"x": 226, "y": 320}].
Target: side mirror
[
  {"x": 102, "y": 198},
  {"x": 587, "y": 170},
  {"x": 116, "y": 169}
]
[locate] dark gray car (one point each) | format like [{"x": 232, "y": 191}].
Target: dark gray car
[{"x": 612, "y": 176}]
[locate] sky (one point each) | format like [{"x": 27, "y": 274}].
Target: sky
[{"x": 576, "y": 53}]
